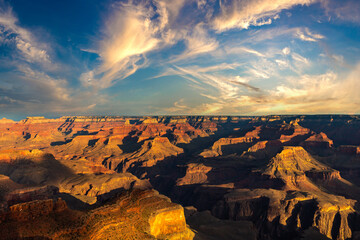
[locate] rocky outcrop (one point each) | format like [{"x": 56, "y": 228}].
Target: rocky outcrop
[
  {"x": 26, "y": 212},
  {"x": 217, "y": 147},
  {"x": 298, "y": 131},
  {"x": 88, "y": 187},
  {"x": 319, "y": 141},
  {"x": 293, "y": 161},
  {"x": 271, "y": 173},
  {"x": 281, "y": 214},
  {"x": 35, "y": 168},
  {"x": 150, "y": 153},
  {"x": 263, "y": 149},
  {"x": 195, "y": 174},
  {"x": 136, "y": 214}
]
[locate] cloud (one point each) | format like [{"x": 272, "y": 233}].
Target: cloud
[
  {"x": 27, "y": 46},
  {"x": 178, "y": 107},
  {"x": 258, "y": 73},
  {"x": 129, "y": 34},
  {"x": 307, "y": 35},
  {"x": 32, "y": 86},
  {"x": 135, "y": 29},
  {"x": 240, "y": 50},
  {"x": 197, "y": 42},
  {"x": 43, "y": 93},
  {"x": 324, "y": 93},
  {"x": 286, "y": 51},
  {"x": 297, "y": 57},
  {"x": 221, "y": 89},
  {"x": 345, "y": 10},
  {"x": 282, "y": 63},
  {"x": 244, "y": 13},
  {"x": 302, "y": 33}
]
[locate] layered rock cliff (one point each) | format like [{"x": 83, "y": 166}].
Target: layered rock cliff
[
  {"x": 283, "y": 177},
  {"x": 136, "y": 214}
]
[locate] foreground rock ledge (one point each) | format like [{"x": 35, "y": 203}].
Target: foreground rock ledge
[{"x": 139, "y": 214}]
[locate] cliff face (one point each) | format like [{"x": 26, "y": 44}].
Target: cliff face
[
  {"x": 320, "y": 140},
  {"x": 195, "y": 174},
  {"x": 293, "y": 162},
  {"x": 282, "y": 177},
  {"x": 218, "y": 146},
  {"x": 136, "y": 214},
  {"x": 279, "y": 213},
  {"x": 150, "y": 152},
  {"x": 297, "y": 204},
  {"x": 298, "y": 131}
]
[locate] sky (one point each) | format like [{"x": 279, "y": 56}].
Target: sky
[{"x": 176, "y": 57}]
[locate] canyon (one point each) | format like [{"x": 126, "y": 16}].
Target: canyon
[{"x": 180, "y": 177}]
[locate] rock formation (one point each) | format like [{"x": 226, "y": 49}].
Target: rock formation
[
  {"x": 266, "y": 177},
  {"x": 136, "y": 214}
]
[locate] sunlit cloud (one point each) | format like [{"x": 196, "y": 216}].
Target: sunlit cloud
[
  {"x": 307, "y": 35},
  {"x": 242, "y": 50},
  {"x": 197, "y": 42},
  {"x": 43, "y": 93},
  {"x": 301, "y": 33},
  {"x": 27, "y": 46},
  {"x": 224, "y": 57},
  {"x": 320, "y": 93},
  {"x": 31, "y": 87},
  {"x": 243, "y": 14}
]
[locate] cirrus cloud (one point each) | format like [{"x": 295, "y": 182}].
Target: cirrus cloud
[{"x": 244, "y": 13}]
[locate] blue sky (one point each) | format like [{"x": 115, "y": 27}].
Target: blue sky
[{"x": 155, "y": 57}]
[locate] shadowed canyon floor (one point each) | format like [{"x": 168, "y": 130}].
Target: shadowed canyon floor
[{"x": 273, "y": 177}]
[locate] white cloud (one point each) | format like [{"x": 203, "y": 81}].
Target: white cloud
[
  {"x": 286, "y": 51},
  {"x": 128, "y": 35},
  {"x": 244, "y": 13},
  {"x": 324, "y": 93},
  {"x": 301, "y": 33},
  {"x": 135, "y": 29},
  {"x": 224, "y": 91},
  {"x": 297, "y": 57},
  {"x": 281, "y": 63},
  {"x": 34, "y": 87},
  {"x": 178, "y": 107},
  {"x": 26, "y": 44},
  {"x": 307, "y": 35},
  {"x": 240, "y": 50},
  {"x": 32, "y": 53},
  {"x": 44, "y": 94},
  {"x": 197, "y": 42},
  {"x": 258, "y": 73}
]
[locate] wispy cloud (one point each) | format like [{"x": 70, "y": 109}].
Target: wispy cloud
[
  {"x": 31, "y": 87},
  {"x": 243, "y": 50},
  {"x": 301, "y": 33},
  {"x": 136, "y": 28},
  {"x": 197, "y": 42},
  {"x": 128, "y": 35},
  {"x": 322, "y": 93},
  {"x": 346, "y": 10},
  {"x": 242, "y": 14},
  {"x": 26, "y": 44},
  {"x": 43, "y": 93},
  {"x": 306, "y": 35}
]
